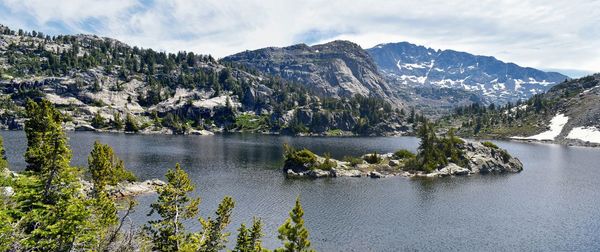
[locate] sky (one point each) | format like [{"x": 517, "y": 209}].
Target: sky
[{"x": 554, "y": 35}]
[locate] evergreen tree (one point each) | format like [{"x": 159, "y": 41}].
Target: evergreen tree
[
  {"x": 106, "y": 168},
  {"x": 53, "y": 212},
  {"x": 8, "y": 228},
  {"x": 243, "y": 240},
  {"x": 214, "y": 238},
  {"x": 131, "y": 124},
  {"x": 3, "y": 160},
  {"x": 173, "y": 206},
  {"x": 292, "y": 233},
  {"x": 249, "y": 240},
  {"x": 98, "y": 121},
  {"x": 117, "y": 121}
]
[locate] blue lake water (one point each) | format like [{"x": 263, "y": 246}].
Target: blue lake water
[{"x": 554, "y": 204}]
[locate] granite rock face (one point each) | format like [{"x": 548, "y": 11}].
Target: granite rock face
[{"x": 334, "y": 69}]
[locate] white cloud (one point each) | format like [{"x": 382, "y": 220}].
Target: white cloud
[{"x": 545, "y": 34}]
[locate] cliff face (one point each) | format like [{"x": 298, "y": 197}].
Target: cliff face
[{"x": 334, "y": 69}]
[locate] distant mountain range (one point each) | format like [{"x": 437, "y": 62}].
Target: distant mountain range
[
  {"x": 496, "y": 81},
  {"x": 402, "y": 73}
]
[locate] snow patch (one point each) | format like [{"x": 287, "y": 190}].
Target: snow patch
[
  {"x": 556, "y": 126},
  {"x": 587, "y": 134}
]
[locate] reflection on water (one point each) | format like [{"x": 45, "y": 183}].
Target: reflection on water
[{"x": 552, "y": 205}]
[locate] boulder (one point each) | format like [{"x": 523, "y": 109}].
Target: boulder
[
  {"x": 318, "y": 173},
  {"x": 483, "y": 159},
  {"x": 346, "y": 173},
  {"x": 127, "y": 189},
  {"x": 290, "y": 173},
  {"x": 201, "y": 133},
  {"x": 375, "y": 174},
  {"x": 7, "y": 191},
  {"x": 394, "y": 163},
  {"x": 453, "y": 169}
]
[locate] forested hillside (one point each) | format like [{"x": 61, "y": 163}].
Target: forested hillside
[{"x": 103, "y": 84}]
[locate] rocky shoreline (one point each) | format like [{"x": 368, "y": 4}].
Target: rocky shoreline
[
  {"x": 481, "y": 159},
  {"x": 121, "y": 190}
]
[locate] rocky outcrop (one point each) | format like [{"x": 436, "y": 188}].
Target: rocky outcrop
[
  {"x": 483, "y": 159},
  {"x": 478, "y": 159},
  {"x": 127, "y": 189}
]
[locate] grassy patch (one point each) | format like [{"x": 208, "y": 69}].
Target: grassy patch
[
  {"x": 250, "y": 122},
  {"x": 490, "y": 145}
]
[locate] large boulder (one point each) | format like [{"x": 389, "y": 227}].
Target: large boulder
[
  {"x": 484, "y": 159},
  {"x": 375, "y": 174},
  {"x": 453, "y": 169},
  {"x": 318, "y": 173}
]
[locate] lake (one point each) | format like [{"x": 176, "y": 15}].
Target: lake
[{"x": 554, "y": 204}]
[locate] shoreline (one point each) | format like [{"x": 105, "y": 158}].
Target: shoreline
[{"x": 566, "y": 142}]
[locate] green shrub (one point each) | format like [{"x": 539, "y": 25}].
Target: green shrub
[
  {"x": 298, "y": 158},
  {"x": 328, "y": 164},
  {"x": 490, "y": 145},
  {"x": 354, "y": 161},
  {"x": 505, "y": 155},
  {"x": 403, "y": 154},
  {"x": 373, "y": 158}
]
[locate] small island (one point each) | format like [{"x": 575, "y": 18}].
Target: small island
[{"x": 437, "y": 156}]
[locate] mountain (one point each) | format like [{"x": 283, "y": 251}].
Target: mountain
[
  {"x": 334, "y": 69},
  {"x": 495, "y": 81},
  {"x": 102, "y": 84},
  {"x": 568, "y": 113}
]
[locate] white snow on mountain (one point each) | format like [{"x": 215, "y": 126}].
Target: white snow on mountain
[
  {"x": 556, "y": 126},
  {"x": 586, "y": 134}
]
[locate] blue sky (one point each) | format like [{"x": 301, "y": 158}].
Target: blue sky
[{"x": 549, "y": 34}]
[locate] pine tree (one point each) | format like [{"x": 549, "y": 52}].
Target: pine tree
[
  {"x": 131, "y": 124},
  {"x": 7, "y": 229},
  {"x": 249, "y": 239},
  {"x": 3, "y": 160},
  {"x": 173, "y": 206},
  {"x": 214, "y": 238},
  {"x": 243, "y": 240},
  {"x": 52, "y": 209},
  {"x": 47, "y": 154},
  {"x": 98, "y": 121},
  {"x": 292, "y": 233},
  {"x": 256, "y": 235},
  {"x": 106, "y": 168},
  {"x": 117, "y": 121}
]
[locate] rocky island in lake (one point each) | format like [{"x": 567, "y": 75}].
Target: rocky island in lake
[{"x": 437, "y": 156}]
